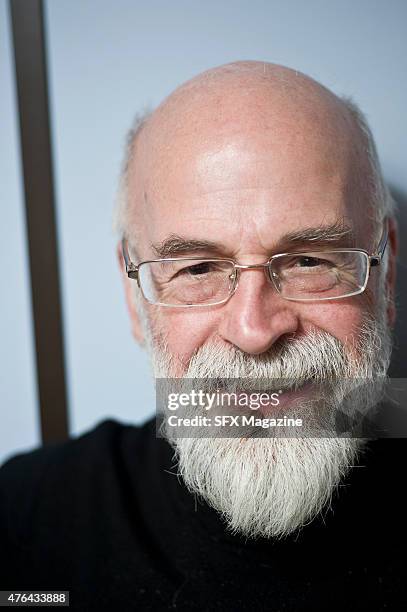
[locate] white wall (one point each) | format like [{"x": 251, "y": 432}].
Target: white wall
[{"x": 109, "y": 59}]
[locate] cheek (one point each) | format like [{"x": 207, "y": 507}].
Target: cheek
[
  {"x": 183, "y": 330},
  {"x": 341, "y": 320}
]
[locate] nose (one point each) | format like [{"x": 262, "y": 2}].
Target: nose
[{"x": 256, "y": 316}]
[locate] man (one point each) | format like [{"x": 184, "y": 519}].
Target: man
[{"x": 258, "y": 242}]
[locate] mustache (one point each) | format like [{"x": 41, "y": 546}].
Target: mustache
[{"x": 315, "y": 355}]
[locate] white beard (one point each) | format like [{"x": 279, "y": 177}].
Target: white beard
[
  {"x": 265, "y": 487},
  {"x": 272, "y": 486}
]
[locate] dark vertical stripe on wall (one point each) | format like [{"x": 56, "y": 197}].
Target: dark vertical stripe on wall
[{"x": 31, "y": 79}]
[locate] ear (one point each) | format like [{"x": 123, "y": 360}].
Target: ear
[
  {"x": 392, "y": 245},
  {"x": 129, "y": 288}
]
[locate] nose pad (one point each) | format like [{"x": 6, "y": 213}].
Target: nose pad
[
  {"x": 233, "y": 279},
  {"x": 273, "y": 277}
]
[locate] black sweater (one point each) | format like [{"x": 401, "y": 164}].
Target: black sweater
[{"x": 103, "y": 517}]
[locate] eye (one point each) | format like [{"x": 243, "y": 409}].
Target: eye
[
  {"x": 310, "y": 262},
  {"x": 201, "y": 268},
  {"x": 303, "y": 264}
]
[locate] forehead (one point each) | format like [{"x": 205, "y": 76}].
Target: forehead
[{"x": 247, "y": 177}]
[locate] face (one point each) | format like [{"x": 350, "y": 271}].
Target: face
[
  {"x": 247, "y": 186},
  {"x": 251, "y": 169}
]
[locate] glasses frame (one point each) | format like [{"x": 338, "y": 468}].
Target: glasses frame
[{"x": 372, "y": 259}]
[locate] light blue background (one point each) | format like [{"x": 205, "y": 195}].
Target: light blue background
[{"x": 107, "y": 60}]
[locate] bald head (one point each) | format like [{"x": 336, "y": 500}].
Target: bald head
[
  {"x": 211, "y": 128},
  {"x": 250, "y": 94}
]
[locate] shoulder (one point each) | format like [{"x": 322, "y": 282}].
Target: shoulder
[
  {"x": 68, "y": 511},
  {"x": 50, "y": 479},
  {"x": 93, "y": 446}
]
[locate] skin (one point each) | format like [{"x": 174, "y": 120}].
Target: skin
[{"x": 242, "y": 155}]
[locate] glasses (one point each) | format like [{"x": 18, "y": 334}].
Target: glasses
[{"x": 317, "y": 275}]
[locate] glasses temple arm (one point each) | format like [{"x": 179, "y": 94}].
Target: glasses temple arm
[
  {"x": 381, "y": 247},
  {"x": 131, "y": 268}
]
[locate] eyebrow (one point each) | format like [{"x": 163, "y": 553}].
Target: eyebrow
[
  {"x": 178, "y": 245},
  {"x": 334, "y": 235}
]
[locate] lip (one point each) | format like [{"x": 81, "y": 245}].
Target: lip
[
  {"x": 285, "y": 397},
  {"x": 304, "y": 392}
]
